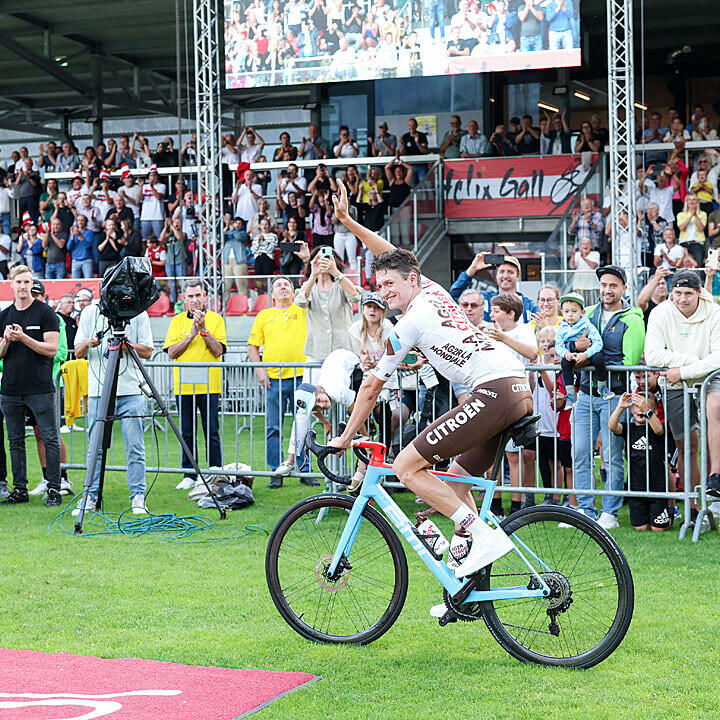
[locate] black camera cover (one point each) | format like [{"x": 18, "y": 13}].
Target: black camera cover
[{"x": 127, "y": 289}]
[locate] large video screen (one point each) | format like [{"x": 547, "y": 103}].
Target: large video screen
[{"x": 290, "y": 42}]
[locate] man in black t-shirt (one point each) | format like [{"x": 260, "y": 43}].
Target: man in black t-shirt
[
  {"x": 29, "y": 331},
  {"x": 414, "y": 142}
]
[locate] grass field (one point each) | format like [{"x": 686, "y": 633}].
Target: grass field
[{"x": 208, "y": 604}]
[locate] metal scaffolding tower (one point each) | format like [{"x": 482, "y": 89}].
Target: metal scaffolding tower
[
  {"x": 621, "y": 117},
  {"x": 207, "y": 20}
]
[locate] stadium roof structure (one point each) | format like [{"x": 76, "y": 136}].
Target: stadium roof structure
[{"x": 84, "y": 59}]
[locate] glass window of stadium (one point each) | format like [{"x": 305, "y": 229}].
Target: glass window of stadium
[
  {"x": 397, "y": 100},
  {"x": 346, "y": 108}
]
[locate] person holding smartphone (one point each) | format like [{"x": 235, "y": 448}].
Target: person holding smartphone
[{"x": 327, "y": 296}]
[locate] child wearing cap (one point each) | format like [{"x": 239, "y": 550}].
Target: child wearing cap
[{"x": 575, "y": 324}]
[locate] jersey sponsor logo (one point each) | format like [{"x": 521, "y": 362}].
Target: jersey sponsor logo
[
  {"x": 484, "y": 391},
  {"x": 520, "y": 387},
  {"x": 452, "y": 354},
  {"x": 464, "y": 414}
]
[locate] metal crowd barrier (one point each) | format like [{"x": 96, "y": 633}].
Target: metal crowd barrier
[{"x": 408, "y": 407}]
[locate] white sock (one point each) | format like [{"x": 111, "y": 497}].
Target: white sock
[{"x": 468, "y": 520}]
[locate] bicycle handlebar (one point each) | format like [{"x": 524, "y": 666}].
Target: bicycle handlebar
[{"x": 322, "y": 451}]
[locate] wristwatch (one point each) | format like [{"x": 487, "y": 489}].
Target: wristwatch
[
  {"x": 649, "y": 414},
  {"x": 339, "y": 277}
]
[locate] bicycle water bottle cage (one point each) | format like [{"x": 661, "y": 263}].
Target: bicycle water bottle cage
[{"x": 524, "y": 431}]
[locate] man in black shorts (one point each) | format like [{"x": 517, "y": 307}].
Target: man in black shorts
[{"x": 433, "y": 325}]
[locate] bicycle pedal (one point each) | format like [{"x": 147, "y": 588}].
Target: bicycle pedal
[{"x": 448, "y": 617}]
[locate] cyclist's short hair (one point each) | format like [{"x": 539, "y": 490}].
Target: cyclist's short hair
[
  {"x": 509, "y": 303},
  {"x": 401, "y": 260},
  {"x": 19, "y": 270}
]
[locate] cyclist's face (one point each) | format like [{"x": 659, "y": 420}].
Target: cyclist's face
[{"x": 396, "y": 290}]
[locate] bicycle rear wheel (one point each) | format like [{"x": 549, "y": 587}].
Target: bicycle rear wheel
[
  {"x": 366, "y": 596},
  {"x": 589, "y": 611}
]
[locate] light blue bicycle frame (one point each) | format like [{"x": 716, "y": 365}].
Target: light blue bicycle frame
[{"x": 372, "y": 490}]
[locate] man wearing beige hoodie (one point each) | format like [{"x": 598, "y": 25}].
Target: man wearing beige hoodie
[{"x": 683, "y": 335}]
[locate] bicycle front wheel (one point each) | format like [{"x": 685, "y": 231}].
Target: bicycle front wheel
[
  {"x": 365, "y": 597},
  {"x": 591, "y": 605}
]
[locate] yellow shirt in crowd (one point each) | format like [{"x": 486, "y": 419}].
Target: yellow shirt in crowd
[
  {"x": 197, "y": 351},
  {"x": 282, "y": 333}
]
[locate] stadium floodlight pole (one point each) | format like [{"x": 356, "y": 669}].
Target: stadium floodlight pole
[
  {"x": 208, "y": 117},
  {"x": 621, "y": 124}
]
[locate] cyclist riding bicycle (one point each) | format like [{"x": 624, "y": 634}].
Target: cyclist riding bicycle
[{"x": 435, "y": 326}]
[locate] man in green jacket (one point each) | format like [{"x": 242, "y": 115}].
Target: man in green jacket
[{"x": 623, "y": 332}]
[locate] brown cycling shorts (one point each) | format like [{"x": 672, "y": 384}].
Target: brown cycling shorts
[{"x": 471, "y": 432}]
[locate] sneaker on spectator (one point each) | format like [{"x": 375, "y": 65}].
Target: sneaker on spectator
[
  {"x": 713, "y": 485},
  {"x": 675, "y": 513},
  {"x": 138, "y": 505},
  {"x": 65, "y": 429},
  {"x": 284, "y": 468},
  {"x": 199, "y": 490},
  {"x": 16, "y": 497},
  {"x": 276, "y": 482},
  {"x": 587, "y": 514},
  {"x": 65, "y": 486},
  {"x": 187, "y": 483},
  {"x": 4, "y": 489},
  {"x": 53, "y": 498},
  {"x": 608, "y": 521},
  {"x": 714, "y": 508},
  {"x": 90, "y": 505},
  {"x": 312, "y": 482},
  {"x": 39, "y": 489}
]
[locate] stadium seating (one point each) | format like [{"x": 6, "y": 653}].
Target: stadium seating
[
  {"x": 237, "y": 305},
  {"x": 262, "y": 303},
  {"x": 160, "y": 307}
]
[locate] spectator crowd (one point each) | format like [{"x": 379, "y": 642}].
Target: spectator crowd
[
  {"x": 295, "y": 41},
  {"x": 300, "y": 250}
]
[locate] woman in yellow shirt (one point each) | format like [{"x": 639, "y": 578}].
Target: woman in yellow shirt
[
  {"x": 373, "y": 181},
  {"x": 692, "y": 222}
]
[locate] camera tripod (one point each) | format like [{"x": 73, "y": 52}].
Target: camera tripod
[{"x": 101, "y": 439}]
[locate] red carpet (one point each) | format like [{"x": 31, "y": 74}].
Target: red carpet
[{"x": 37, "y": 686}]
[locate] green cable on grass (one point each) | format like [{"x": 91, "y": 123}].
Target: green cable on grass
[{"x": 179, "y": 528}]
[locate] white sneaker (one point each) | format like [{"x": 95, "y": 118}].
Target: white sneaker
[
  {"x": 487, "y": 547},
  {"x": 65, "y": 487},
  {"x": 437, "y": 611},
  {"x": 138, "y": 505},
  {"x": 65, "y": 429},
  {"x": 40, "y": 488},
  {"x": 608, "y": 521},
  {"x": 284, "y": 468},
  {"x": 567, "y": 526},
  {"x": 185, "y": 484},
  {"x": 90, "y": 505},
  {"x": 198, "y": 491}
]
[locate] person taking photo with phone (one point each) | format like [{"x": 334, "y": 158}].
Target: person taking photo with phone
[{"x": 507, "y": 276}]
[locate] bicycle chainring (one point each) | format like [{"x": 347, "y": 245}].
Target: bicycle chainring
[{"x": 467, "y": 612}]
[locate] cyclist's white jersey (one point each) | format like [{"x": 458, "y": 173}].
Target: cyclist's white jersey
[{"x": 436, "y": 326}]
